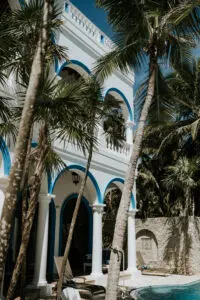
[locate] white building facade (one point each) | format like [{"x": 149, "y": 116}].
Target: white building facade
[{"x": 85, "y": 43}]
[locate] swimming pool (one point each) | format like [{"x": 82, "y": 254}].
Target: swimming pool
[{"x": 182, "y": 292}]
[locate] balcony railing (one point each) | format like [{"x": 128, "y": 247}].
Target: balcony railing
[
  {"x": 124, "y": 150},
  {"x": 108, "y": 146},
  {"x": 86, "y": 26}
]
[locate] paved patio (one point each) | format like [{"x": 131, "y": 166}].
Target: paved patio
[{"x": 148, "y": 280}]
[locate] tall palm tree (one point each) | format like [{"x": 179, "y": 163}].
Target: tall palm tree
[
  {"x": 177, "y": 138},
  {"x": 182, "y": 176},
  {"x": 38, "y": 34},
  {"x": 96, "y": 111},
  {"x": 57, "y": 110},
  {"x": 149, "y": 31}
]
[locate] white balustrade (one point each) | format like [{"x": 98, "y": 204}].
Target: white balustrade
[
  {"x": 75, "y": 15},
  {"x": 124, "y": 149}
]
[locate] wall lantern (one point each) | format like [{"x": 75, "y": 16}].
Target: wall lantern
[{"x": 75, "y": 178}]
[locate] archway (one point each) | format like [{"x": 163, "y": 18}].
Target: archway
[
  {"x": 147, "y": 247},
  {"x": 125, "y": 106},
  {"x": 112, "y": 197},
  {"x": 82, "y": 237},
  {"x": 73, "y": 70}
]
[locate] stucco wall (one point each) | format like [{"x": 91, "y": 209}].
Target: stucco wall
[{"x": 173, "y": 243}]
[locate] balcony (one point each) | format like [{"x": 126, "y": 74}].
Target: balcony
[{"x": 74, "y": 15}]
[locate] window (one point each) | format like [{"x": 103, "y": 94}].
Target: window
[
  {"x": 66, "y": 7},
  {"x": 102, "y": 39}
]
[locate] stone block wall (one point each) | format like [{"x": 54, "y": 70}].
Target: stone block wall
[{"x": 172, "y": 243}]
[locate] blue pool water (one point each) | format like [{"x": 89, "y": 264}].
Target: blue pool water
[{"x": 183, "y": 292}]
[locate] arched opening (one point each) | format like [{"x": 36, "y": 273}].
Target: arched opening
[
  {"x": 64, "y": 187},
  {"x": 73, "y": 71},
  {"x": 112, "y": 199},
  {"x": 116, "y": 122},
  {"x": 80, "y": 245},
  {"x": 114, "y": 125},
  {"x": 147, "y": 247}
]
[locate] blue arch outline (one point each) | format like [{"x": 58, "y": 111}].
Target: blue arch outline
[
  {"x": 125, "y": 100},
  {"x": 75, "y": 62},
  {"x": 89, "y": 209},
  {"x": 92, "y": 178},
  {"x": 121, "y": 180},
  {"x": 6, "y": 157}
]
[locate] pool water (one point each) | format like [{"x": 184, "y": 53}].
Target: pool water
[{"x": 183, "y": 292}]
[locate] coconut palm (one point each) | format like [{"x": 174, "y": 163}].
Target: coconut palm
[
  {"x": 151, "y": 32},
  {"x": 56, "y": 106},
  {"x": 182, "y": 177},
  {"x": 96, "y": 111},
  {"x": 27, "y": 34},
  {"x": 179, "y": 136}
]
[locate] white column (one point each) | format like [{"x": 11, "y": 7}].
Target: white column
[
  {"x": 97, "y": 240},
  {"x": 42, "y": 240},
  {"x": 3, "y": 185},
  {"x": 129, "y": 132},
  {"x": 132, "y": 242}
]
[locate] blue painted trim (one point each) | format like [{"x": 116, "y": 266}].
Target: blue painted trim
[
  {"x": 34, "y": 144},
  {"x": 121, "y": 180},
  {"x": 49, "y": 181},
  {"x": 92, "y": 178},
  {"x": 125, "y": 100},
  {"x": 89, "y": 209},
  {"x": 6, "y": 157},
  {"x": 51, "y": 239},
  {"x": 75, "y": 62}
]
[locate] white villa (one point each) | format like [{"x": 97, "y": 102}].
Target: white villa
[{"x": 85, "y": 43}]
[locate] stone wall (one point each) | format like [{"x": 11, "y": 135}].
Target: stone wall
[{"x": 172, "y": 243}]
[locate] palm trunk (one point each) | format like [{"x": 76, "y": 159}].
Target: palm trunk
[
  {"x": 21, "y": 145},
  {"x": 122, "y": 214},
  {"x": 34, "y": 192},
  {"x": 73, "y": 223},
  {"x": 24, "y": 189}
]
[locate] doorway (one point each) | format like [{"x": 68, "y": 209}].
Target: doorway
[{"x": 80, "y": 242}]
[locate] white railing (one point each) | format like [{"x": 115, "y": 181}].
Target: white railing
[
  {"x": 124, "y": 150},
  {"x": 86, "y": 25}
]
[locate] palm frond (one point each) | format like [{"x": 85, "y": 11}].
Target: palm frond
[{"x": 122, "y": 58}]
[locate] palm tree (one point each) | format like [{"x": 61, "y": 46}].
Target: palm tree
[
  {"x": 181, "y": 176},
  {"x": 157, "y": 30},
  {"x": 96, "y": 111},
  {"x": 179, "y": 137},
  {"x": 37, "y": 33},
  {"x": 56, "y": 106}
]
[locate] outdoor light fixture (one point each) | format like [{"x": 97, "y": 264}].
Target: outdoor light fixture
[{"x": 75, "y": 178}]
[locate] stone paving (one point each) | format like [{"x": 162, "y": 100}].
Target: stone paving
[{"x": 147, "y": 280}]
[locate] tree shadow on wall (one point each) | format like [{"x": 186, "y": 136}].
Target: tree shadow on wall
[{"x": 178, "y": 248}]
